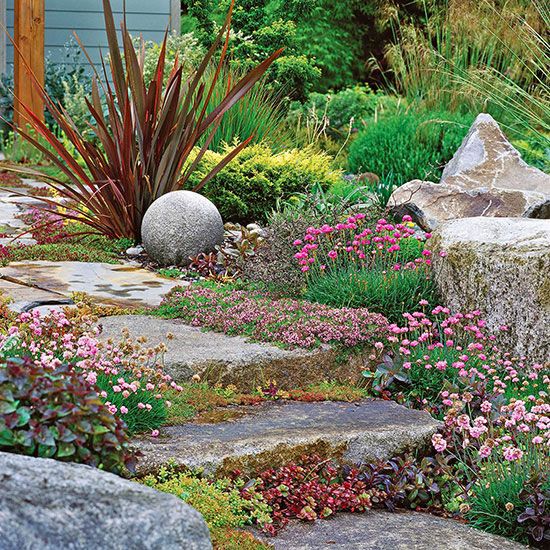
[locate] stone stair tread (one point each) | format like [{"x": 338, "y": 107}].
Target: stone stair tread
[
  {"x": 274, "y": 433},
  {"x": 381, "y": 530},
  {"x": 224, "y": 359},
  {"x": 124, "y": 284}
]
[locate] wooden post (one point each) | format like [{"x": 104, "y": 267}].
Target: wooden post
[{"x": 29, "y": 40}]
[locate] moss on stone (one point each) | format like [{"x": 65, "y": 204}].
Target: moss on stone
[{"x": 279, "y": 456}]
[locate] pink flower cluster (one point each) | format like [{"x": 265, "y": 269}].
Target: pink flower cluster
[
  {"x": 507, "y": 431},
  {"x": 495, "y": 405},
  {"x": 349, "y": 243},
  {"x": 53, "y": 339},
  {"x": 294, "y": 323}
]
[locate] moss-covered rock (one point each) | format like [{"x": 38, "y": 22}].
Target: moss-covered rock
[{"x": 502, "y": 267}]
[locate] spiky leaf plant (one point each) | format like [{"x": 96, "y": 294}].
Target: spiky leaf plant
[{"x": 146, "y": 131}]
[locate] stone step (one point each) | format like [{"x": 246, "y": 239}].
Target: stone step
[
  {"x": 219, "y": 358},
  {"x": 381, "y": 530},
  {"x": 275, "y": 433},
  {"x": 124, "y": 285}
]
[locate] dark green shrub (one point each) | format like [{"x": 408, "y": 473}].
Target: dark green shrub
[
  {"x": 58, "y": 414},
  {"x": 409, "y": 145},
  {"x": 248, "y": 188}
]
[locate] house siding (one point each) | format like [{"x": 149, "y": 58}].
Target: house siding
[{"x": 148, "y": 18}]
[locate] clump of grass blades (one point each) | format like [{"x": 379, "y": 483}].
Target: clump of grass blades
[
  {"x": 145, "y": 137},
  {"x": 390, "y": 293},
  {"x": 258, "y": 114},
  {"x": 474, "y": 57}
]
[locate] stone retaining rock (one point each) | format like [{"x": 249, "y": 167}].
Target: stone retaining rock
[
  {"x": 502, "y": 267},
  {"x": 377, "y": 530},
  {"x": 275, "y": 433},
  {"x": 50, "y": 505},
  {"x": 486, "y": 177},
  {"x": 223, "y": 359}
]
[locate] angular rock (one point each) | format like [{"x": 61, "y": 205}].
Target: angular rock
[
  {"x": 272, "y": 434},
  {"x": 378, "y": 530},
  {"x": 51, "y": 505},
  {"x": 486, "y": 177},
  {"x": 502, "y": 267},
  {"x": 124, "y": 285},
  {"x": 180, "y": 225},
  {"x": 223, "y": 359},
  {"x": 487, "y": 159}
]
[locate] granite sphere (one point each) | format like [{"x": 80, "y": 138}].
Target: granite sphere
[{"x": 180, "y": 225}]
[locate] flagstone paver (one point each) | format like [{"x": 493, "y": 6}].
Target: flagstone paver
[
  {"x": 223, "y": 359},
  {"x": 24, "y": 298},
  {"x": 381, "y": 530},
  {"x": 125, "y": 285},
  {"x": 274, "y": 433}
]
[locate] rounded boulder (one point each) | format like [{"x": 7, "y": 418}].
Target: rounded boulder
[{"x": 180, "y": 225}]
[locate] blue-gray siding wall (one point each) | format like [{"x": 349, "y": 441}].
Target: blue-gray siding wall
[{"x": 149, "y": 18}]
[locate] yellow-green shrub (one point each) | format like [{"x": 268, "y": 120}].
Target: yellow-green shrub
[
  {"x": 248, "y": 188},
  {"x": 219, "y": 501}
]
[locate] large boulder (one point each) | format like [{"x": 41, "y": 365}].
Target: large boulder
[
  {"x": 180, "y": 225},
  {"x": 502, "y": 267},
  {"x": 486, "y": 177},
  {"x": 51, "y": 505}
]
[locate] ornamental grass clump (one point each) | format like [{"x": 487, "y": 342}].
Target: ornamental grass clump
[
  {"x": 257, "y": 314},
  {"x": 435, "y": 353},
  {"x": 385, "y": 269},
  {"x": 143, "y": 132}
]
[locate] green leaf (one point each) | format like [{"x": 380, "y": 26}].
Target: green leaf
[{"x": 65, "y": 449}]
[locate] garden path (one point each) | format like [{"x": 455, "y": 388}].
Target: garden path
[
  {"x": 380, "y": 530},
  {"x": 274, "y": 433}
]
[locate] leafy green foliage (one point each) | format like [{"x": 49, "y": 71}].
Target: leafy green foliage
[
  {"x": 220, "y": 503},
  {"x": 57, "y": 414},
  {"x": 260, "y": 27},
  {"x": 248, "y": 188},
  {"x": 411, "y": 145},
  {"x": 146, "y": 134}
]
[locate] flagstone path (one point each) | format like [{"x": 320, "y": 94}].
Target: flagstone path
[
  {"x": 380, "y": 530},
  {"x": 274, "y": 433},
  {"x": 125, "y": 284}
]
